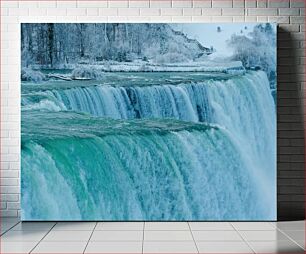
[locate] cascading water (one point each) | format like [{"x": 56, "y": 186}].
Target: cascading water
[{"x": 220, "y": 165}]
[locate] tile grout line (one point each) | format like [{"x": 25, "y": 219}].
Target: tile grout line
[
  {"x": 42, "y": 238},
  {"x": 290, "y": 238},
  {"x": 90, "y": 237},
  {"x": 247, "y": 243},
  {"x": 193, "y": 237},
  {"x": 273, "y": 225},
  {"x": 10, "y": 228},
  {"x": 143, "y": 232}
]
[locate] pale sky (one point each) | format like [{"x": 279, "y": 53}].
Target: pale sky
[{"x": 208, "y": 35}]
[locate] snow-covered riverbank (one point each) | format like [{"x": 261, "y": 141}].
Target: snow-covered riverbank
[
  {"x": 177, "y": 67},
  {"x": 95, "y": 70},
  {"x": 143, "y": 66}
]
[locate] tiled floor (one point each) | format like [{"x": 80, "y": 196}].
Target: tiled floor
[{"x": 152, "y": 237}]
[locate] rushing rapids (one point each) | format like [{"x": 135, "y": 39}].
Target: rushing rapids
[{"x": 193, "y": 149}]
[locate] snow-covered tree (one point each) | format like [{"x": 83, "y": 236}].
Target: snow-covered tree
[
  {"x": 258, "y": 49},
  {"x": 56, "y": 45}
]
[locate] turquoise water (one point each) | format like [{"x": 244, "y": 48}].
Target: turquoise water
[{"x": 161, "y": 146}]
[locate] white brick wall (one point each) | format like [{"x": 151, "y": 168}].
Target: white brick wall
[{"x": 289, "y": 13}]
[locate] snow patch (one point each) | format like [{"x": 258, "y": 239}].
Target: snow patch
[
  {"x": 87, "y": 72},
  {"x": 27, "y": 74}
]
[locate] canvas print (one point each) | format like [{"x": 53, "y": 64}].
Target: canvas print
[{"x": 155, "y": 122}]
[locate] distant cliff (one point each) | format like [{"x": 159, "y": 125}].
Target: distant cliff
[{"x": 56, "y": 45}]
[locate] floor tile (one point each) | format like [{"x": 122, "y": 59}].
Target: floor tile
[
  {"x": 224, "y": 247},
  {"x": 291, "y": 225},
  {"x": 169, "y": 247},
  {"x": 120, "y": 226},
  {"x": 63, "y": 226},
  {"x": 253, "y": 226},
  {"x": 11, "y": 220},
  {"x": 5, "y": 226},
  {"x": 8, "y": 224},
  {"x": 101, "y": 236},
  {"x": 301, "y": 243},
  {"x": 22, "y": 236},
  {"x": 295, "y": 234},
  {"x": 33, "y": 226},
  {"x": 3, "y": 230},
  {"x": 68, "y": 236},
  {"x": 17, "y": 247},
  {"x": 167, "y": 236},
  {"x": 216, "y": 236},
  {"x": 211, "y": 226},
  {"x": 60, "y": 247},
  {"x": 276, "y": 247},
  {"x": 274, "y": 235},
  {"x": 114, "y": 247},
  {"x": 273, "y": 224},
  {"x": 166, "y": 226}
]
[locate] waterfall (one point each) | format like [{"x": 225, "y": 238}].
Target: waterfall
[
  {"x": 186, "y": 101},
  {"x": 139, "y": 170},
  {"x": 220, "y": 165}
]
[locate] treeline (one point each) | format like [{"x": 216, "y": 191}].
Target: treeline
[{"x": 55, "y": 44}]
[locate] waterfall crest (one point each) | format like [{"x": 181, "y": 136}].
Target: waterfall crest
[{"x": 154, "y": 165}]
